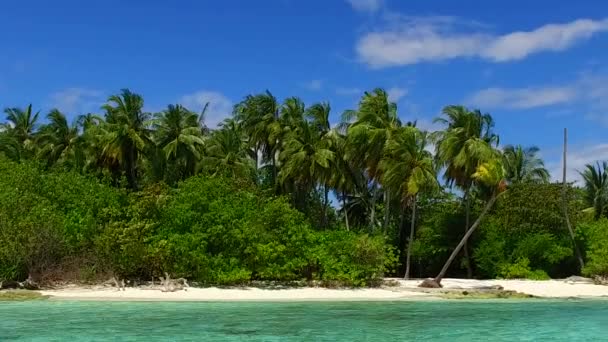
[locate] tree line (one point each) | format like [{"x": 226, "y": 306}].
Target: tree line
[{"x": 392, "y": 181}]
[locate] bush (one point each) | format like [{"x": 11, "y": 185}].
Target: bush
[
  {"x": 521, "y": 270},
  {"x": 595, "y": 235}
]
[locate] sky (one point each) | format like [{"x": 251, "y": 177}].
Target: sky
[{"x": 536, "y": 66}]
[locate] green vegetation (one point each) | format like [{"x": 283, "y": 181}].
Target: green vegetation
[
  {"x": 132, "y": 194},
  {"x": 20, "y": 295}
]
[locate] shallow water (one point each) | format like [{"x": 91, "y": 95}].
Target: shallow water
[{"x": 535, "y": 320}]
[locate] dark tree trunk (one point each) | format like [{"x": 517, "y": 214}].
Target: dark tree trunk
[
  {"x": 345, "y": 211},
  {"x": 411, "y": 239},
  {"x": 469, "y": 232},
  {"x": 387, "y": 208},
  {"x": 325, "y": 206},
  {"x": 372, "y": 219},
  {"x": 467, "y": 258}
]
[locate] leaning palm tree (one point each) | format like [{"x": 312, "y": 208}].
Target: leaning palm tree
[
  {"x": 491, "y": 175},
  {"x": 61, "y": 142},
  {"x": 522, "y": 165},
  {"x": 596, "y": 187},
  {"x": 179, "y": 136},
  {"x": 461, "y": 147},
  {"x": 408, "y": 168},
  {"x": 126, "y": 133},
  {"x": 374, "y": 122}
]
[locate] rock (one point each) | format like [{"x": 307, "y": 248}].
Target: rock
[
  {"x": 430, "y": 284},
  {"x": 491, "y": 287},
  {"x": 10, "y": 284}
]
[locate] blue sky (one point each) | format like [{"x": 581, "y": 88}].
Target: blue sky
[{"x": 536, "y": 66}]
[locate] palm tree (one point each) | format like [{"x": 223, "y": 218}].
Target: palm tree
[
  {"x": 374, "y": 122},
  {"x": 259, "y": 117},
  {"x": 489, "y": 174},
  {"x": 408, "y": 168},
  {"x": 179, "y": 135},
  {"x": 227, "y": 152},
  {"x": 21, "y": 125},
  {"x": 61, "y": 142},
  {"x": 305, "y": 159},
  {"x": 126, "y": 133},
  {"x": 318, "y": 116},
  {"x": 596, "y": 186},
  {"x": 522, "y": 165},
  {"x": 466, "y": 142}
]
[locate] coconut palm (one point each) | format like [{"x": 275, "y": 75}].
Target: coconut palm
[
  {"x": 259, "y": 118},
  {"x": 490, "y": 174},
  {"x": 228, "y": 153},
  {"x": 178, "y": 135},
  {"x": 465, "y": 143},
  {"x": 408, "y": 168},
  {"x": 61, "y": 142},
  {"x": 374, "y": 122},
  {"x": 126, "y": 133},
  {"x": 21, "y": 126},
  {"x": 596, "y": 186},
  {"x": 522, "y": 165}
]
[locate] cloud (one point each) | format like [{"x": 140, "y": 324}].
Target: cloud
[
  {"x": 395, "y": 94},
  {"x": 368, "y": 6},
  {"x": 77, "y": 100},
  {"x": 522, "y": 98},
  {"x": 348, "y": 91},
  {"x": 587, "y": 95},
  {"x": 220, "y": 107},
  {"x": 414, "y": 40},
  {"x": 578, "y": 157},
  {"x": 314, "y": 85}
]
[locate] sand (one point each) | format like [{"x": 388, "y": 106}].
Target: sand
[{"x": 404, "y": 290}]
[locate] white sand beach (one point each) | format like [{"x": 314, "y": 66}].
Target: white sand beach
[{"x": 405, "y": 290}]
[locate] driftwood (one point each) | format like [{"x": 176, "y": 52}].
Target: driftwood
[
  {"x": 172, "y": 285},
  {"x": 118, "y": 283}
]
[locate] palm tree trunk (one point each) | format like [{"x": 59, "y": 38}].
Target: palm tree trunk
[
  {"x": 345, "y": 211},
  {"x": 387, "y": 208},
  {"x": 465, "y": 238},
  {"x": 372, "y": 219},
  {"x": 411, "y": 239},
  {"x": 325, "y": 205},
  {"x": 467, "y": 258},
  {"x": 565, "y": 205}
]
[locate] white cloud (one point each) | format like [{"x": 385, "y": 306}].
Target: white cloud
[
  {"x": 416, "y": 40},
  {"x": 522, "y": 98},
  {"x": 77, "y": 100},
  {"x": 369, "y": 6},
  {"x": 220, "y": 107},
  {"x": 395, "y": 94},
  {"x": 348, "y": 91},
  {"x": 314, "y": 85}
]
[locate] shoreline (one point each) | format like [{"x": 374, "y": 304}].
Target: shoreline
[{"x": 402, "y": 290}]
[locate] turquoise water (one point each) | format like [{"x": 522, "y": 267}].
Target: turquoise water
[{"x": 322, "y": 321}]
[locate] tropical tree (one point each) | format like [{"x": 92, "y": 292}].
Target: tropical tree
[
  {"x": 374, "y": 122},
  {"x": 408, "y": 168},
  {"x": 19, "y": 129},
  {"x": 522, "y": 165},
  {"x": 465, "y": 143},
  {"x": 61, "y": 142},
  {"x": 228, "y": 153},
  {"x": 126, "y": 133},
  {"x": 490, "y": 174},
  {"x": 596, "y": 187},
  {"x": 178, "y": 134}
]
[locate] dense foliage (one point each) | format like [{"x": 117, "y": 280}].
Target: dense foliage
[{"x": 277, "y": 193}]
